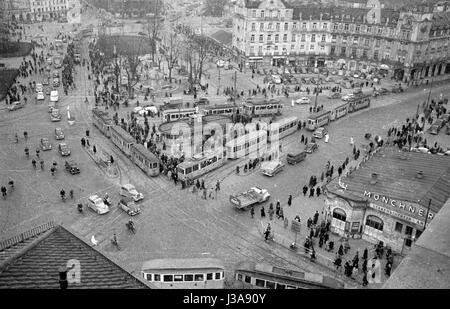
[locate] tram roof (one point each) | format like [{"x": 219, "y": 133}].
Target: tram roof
[
  {"x": 102, "y": 115},
  {"x": 319, "y": 114},
  {"x": 178, "y": 110},
  {"x": 124, "y": 134},
  {"x": 286, "y": 120},
  {"x": 262, "y": 102},
  {"x": 166, "y": 127},
  {"x": 219, "y": 106},
  {"x": 246, "y": 137},
  {"x": 145, "y": 152},
  {"x": 198, "y": 158},
  {"x": 190, "y": 263}
]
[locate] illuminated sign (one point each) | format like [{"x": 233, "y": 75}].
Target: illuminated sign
[{"x": 400, "y": 205}]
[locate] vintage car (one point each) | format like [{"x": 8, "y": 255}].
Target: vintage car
[
  {"x": 311, "y": 147},
  {"x": 72, "y": 167},
  {"x": 45, "y": 144},
  {"x": 96, "y": 204},
  {"x": 63, "y": 149}
]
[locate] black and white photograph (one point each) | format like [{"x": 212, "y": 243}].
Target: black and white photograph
[{"x": 224, "y": 145}]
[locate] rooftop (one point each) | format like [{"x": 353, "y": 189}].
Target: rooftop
[
  {"x": 427, "y": 265},
  {"x": 397, "y": 178},
  {"x": 191, "y": 263},
  {"x": 34, "y": 263},
  {"x": 167, "y": 127},
  {"x": 223, "y": 37}
]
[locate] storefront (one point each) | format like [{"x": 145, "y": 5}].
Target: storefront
[
  {"x": 255, "y": 62},
  {"x": 278, "y": 60}
]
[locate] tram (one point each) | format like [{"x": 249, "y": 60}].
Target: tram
[
  {"x": 358, "y": 102},
  {"x": 122, "y": 139},
  {"x": 318, "y": 120},
  {"x": 200, "y": 164},
  {"x": 254, "y": 108},
  {"x": 282, "y": 128},
  {"x": 252, "y": 143},
  {"x": 102, "y": 121},
  {"x": 177, "y": 114},
  {"x": 339, "y": 112},
  {"x": 146, "y": 160},
  {"x": 225, "y": 109},
  {"x": 195, "y": 273},
  {"x": 253, "y": 275}
]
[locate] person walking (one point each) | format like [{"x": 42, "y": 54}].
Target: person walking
[
  {"x": 289, "y": 200},
  {"x": 271, "y": 211},
  {"x": 318, "y": 191},
  {"x": 34, "y": 163},
  {"x": 252, "y": 211},
  {"x": 351, "y": 141},
  {"x": 263, "y": 213},
  {"x": 311, "y": 192},
  {"x": 305, "y": 190}
]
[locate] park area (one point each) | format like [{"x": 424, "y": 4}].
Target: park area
[
  {"x": 6, "y": 80},
  {"x": 126, "y": 45},
  {"x": 15, "y": 49}
]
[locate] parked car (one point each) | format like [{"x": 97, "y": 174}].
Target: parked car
[
  {"x": 40, "y": 96},
  {"x": 271, "y": 168},
  {"x": 59, "y": 134},
  {"x": 311, "y": 147},
  {"x": 347, "y": 97},
  {"x": 39, "y": 88},
  {"x": 303, "y": 100},
  {"x": 45, "y": 81},
  {"x": 335, "y": 95},
  {"x": 63, "y": 149},
  {"x": 72, "y": 167},
  {"x": 128, "y": 190},
  {"x": 16, "y": 105},
  {"x": 320, "y": 132},
  {"x": 55, "y": 115},
  {"x": 201, "y": 101},
  {"x": 128, "y": 205},
  {"x": 295, "y": 157},
  {"x": 383, "y": 91},
  {"x": 54, "y": 96},
  {"x": 96, "y": 204},
  {"x": 45, "y": 144}
]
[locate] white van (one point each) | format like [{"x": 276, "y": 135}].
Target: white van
[{"x": 54, "y": 96}]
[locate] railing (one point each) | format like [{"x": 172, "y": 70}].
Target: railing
[{"x": 7, "y": 243}]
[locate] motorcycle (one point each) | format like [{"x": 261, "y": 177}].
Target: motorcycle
[{"x": 131, "y": 227}]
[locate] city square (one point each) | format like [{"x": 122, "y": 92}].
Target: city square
[{"x": 128, "y": 88}]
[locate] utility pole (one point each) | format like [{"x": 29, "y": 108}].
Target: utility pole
[
  {"x": 426, "y": 217},
  {"x": 218, "y": 88}
]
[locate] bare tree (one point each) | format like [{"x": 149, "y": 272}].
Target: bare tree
[
  {"x": 131, "y": 64},
  {"x": 202, "y": 47},
  {"x": 171, "y": 52},
  {"x": 154, "y": 28}
]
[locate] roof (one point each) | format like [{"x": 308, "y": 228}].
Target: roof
[
  {"x": 223, "y": 37},
  {"x": 318, "y": 114},
  {"x": 124, "y": 134},
  {"x": 397, "y": 177},
  {"x": 427, "y": 265},
  {"x": 36, "y": 265},
  {"x": 190, "y": 263},
  {"x": 145, "y": 152},
  {"x": 166, "y": 127}
]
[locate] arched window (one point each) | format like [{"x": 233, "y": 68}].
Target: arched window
[
  {"x": 339, "y": 214},
  {"x": 375, "y": 222}
]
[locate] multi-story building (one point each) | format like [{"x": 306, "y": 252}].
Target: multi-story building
[
  {"x": 48, "y": 9},
  {"x": 409, "y": 44},
  {"x": 15, "y": 10}
]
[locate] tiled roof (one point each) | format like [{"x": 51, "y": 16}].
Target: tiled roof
[
  {"x": 427, "y": 265},
  {"x": 397, "y": 177},
  {"x": 37, "y": 265}
]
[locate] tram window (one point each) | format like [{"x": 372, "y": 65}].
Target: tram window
[
  {"x": 248, "y": 279},
  {"x": 214, "y": 159},
  {"x": 281, "y": 286},
  {"x": 195, "y": 167},
  {"x": 156, "y": 277},
  {"x": 209, "y": 276},
  {"x": 155, "y": 165},
  {"x": 198, "y": 277},
  {"x": 217, "y": 276},
  {"x": 187, "y": 171},
  {"x": 178, "y": 278},
  {"x": 239, "y": 277},
  {"x": 260, "y": 283},
  {"x": 168, "y": 278},
  {"x": 270, "y": 284},
  {"x": 188, "y": 277},
  {"x": 149, "y": 277}
]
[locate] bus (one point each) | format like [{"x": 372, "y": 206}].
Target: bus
[
  {"x": 200, "y": 164},
  {"x": 177, "y": 114},
  {"x": 188, "y": 273},
  {"x": 253, "y": 143},
  {"x": 264, "y": 276},
  {"x": 318, "y": 120}
]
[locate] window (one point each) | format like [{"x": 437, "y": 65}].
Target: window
[
  {"x": 398, "y": 227},
  {"x": 324, "y": 37},
  {"x": 261, "y": 38},
  {"x": 156, "y": 277},
  {"x": 277, "y": 37},
  {"x": 332, "y": 50},
  {"x": 269, "y": 26},
  {"x": 239, "y": 277},
  {"x": 374, "y": 222},
  {"x": 302, "y": 46},
  {"x": 209, "y": 276},
  {"x": 167, "y": 278},
  {"x": 346, "y": 27},
  {"x": 260, "y": 283},
  {"x": 333, "y": 38},
  {"x": 262, "y": 13},
  {"x": 366, "y": 42},
  {"x": 313, "y": 37},
  {"x": 260, "y": 49},
  {"x": 339, "y": 214},
  {"x": 369, "y": 29},
  {"x": 198, "y": 277},
  {"x": 408, "y": 230},
  {"x": 303, "y": 38},
  {"x": 253, "y": 26},
  {"x": 217, "y": 276},
  {"x": 314, "y": 26},
  {"x": 248, "y": 279},
  {"x": 355, "y": 40},
  {"x": 311, "y": 47},
  {"x": 343, "y": 50},
  {"x": 335, "y": 26},
  {"x": 293, "y": 38},
  {"x": 178, "y": 278},
  {"x": 276, "y": 47},
  {"x": 261, "y": 27},
  {"x": 269, "y": 37},
  {"x": 344, "y": 39},
  {"x": 358, "y": 28},
  {"x": 375, "y": 55},
  {"x": 303, "y": 25},
  {"x": 252, "y": 38},
  {"x": 325, "y": 26},
  {"x": 322, "y": 48},
  {"x": 380, "y": 30},
  {"x": 294, "y": 26},
  {"x": 149, "y": 277},
  {"x": 418, "y": 233},
  {"x": 253, "y": 13},
  {"x": 354, "y": 52},
  {"x": 377, "y": 43},
  {"x": 281, "y": 286},
  {"x": 270, "y": 284},
  {"x": 188, "y": 277},
  {"x": 284, "y": 37},
  {"x": 278, "y": 26},
  {"x": 365, "y": 53},
  {"x": 286, "y": 26}
]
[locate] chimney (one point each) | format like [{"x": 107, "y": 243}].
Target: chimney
[
  {"x": 374, "y": 179},
  {"x": 419, "y": 174}
]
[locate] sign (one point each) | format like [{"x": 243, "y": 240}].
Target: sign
[
  {"x": 396, "y": 214},
  {"x": 398, "y": 204}
]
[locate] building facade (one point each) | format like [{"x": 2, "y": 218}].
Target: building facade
[
  {"x": 48, "y": 9},
  {"x": 410, "y": 45}
]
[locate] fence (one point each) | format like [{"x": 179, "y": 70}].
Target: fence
[{"x": 5, "y": 244}]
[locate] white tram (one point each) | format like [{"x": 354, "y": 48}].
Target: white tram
[
  {"x": 177, "y": 114},
  {"x": 253, "y": 143},
  {"x": 102, "y": 121},
  {"x": 339, "y": 112},
  {"x": 195, "y": 273},
  {"x": 225, "y": 109},
  {"x": 146, "y": 160},
  {"x": 200, "y": 164},
  {"x": 282, "y": 128},
  {"x": 318, "y": 120},
  {"x": 122, "y": 139}
]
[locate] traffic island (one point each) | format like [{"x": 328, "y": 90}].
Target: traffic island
[{"x": 102, "y": 159}]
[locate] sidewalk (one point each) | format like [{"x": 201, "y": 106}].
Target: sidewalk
[{"x": 110, "y": 171}]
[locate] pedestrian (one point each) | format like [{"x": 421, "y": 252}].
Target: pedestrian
[
  {"x": 87, "y": 133},
  {"x": 305, "y": 189},
  {"x": 271, "y": 211},
  {"x": 341, "y": 250},
  {"x": 303, "y": 139},
  {"x": 263, "y": 213},
  {"x": 252, "y": 211},
  {"x": 351, "y": 141},
  {"x": 318, "y": 191},
  {"x": 311, "y": 192},
  {"x": 218, "y": 185},
  {"x": 365, "y": 282},
  {"x": 94, "y": 149},
  {"x": 34, "y": 163},
  {"x": 356, "y": 261},
  {"x": 83, "y": 142},
  {"x": 4, "y": 191},
  {"x": 365, "y": 254},
  {"x": 42, "y": 164},
  {"x": 289, "y": 200},
  {"x": 308, "y": 222},
  {"x": 311, "y": 233}
]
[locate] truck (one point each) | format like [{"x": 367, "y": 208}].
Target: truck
[{"x": 255, "y": 195}]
